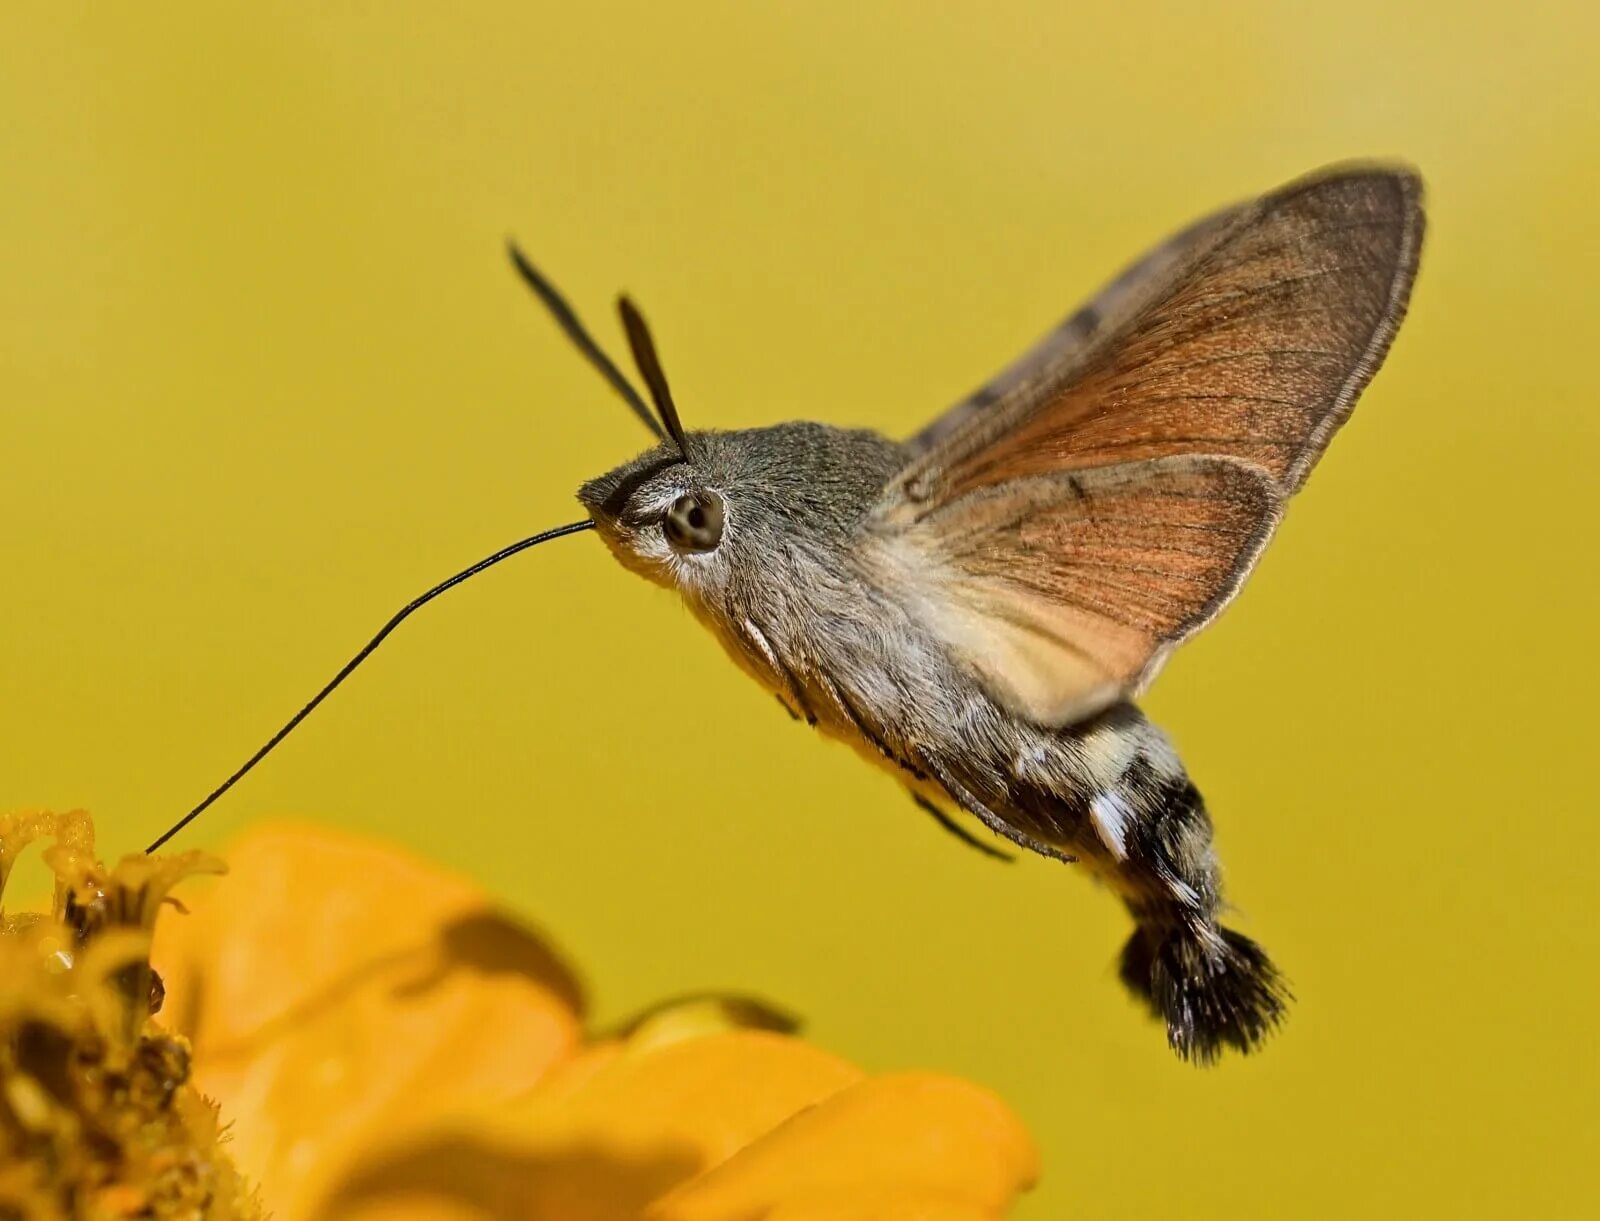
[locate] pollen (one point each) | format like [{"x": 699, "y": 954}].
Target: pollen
[{"x": 98, "y": 1118}]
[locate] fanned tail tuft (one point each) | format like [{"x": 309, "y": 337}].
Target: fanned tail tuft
[{"x": 1214, "y": 988}]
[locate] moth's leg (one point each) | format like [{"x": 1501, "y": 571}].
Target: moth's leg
[
  {"x": 1213, "y": 987},
  {"x": 960, "y": 832},
  {"x": 968, "y": 801},
  {"x": 796, "y": 704}
]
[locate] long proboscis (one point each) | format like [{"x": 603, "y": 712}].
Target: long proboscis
[{"x": 395, "y": 621}]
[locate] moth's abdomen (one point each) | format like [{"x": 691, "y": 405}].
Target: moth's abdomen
[
  {"x": 1115, "y": 790},
  {"x": 1110, "y": 792}
]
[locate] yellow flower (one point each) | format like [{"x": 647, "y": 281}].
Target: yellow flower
[
  {"x": 385, "y": 1043},
  {"x": 96, "y": 1117}
]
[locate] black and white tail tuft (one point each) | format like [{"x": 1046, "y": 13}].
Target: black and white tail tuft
[{"x": 1214, "y": 988}]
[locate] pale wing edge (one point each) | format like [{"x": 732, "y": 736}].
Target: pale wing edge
[
  {"x": 1271, "y": 517},
  {"x": 1407, "y": 259}
]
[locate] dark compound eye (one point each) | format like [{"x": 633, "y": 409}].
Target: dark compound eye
[{"x": 694, "y": 522}]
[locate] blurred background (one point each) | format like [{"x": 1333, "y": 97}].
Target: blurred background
[{"x": 265, "y": 375}]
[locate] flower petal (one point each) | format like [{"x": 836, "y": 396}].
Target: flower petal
[
  {"x": 606, "y": 1134},
  {"x": 922, "y": 1134},
  {"x": 334, "y": 987},
  {"x": 305, "y": 907},
  {"x": 888, "y": 1204}
]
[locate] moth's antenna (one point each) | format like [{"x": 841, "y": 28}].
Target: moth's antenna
[
  {"x": 644, "y": 355},
  {"x": 568, "y": 321},
  {"x": 504, "y": 553}
]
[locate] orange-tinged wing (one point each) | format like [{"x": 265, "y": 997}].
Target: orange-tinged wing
[
  {"x": 1114, "y": 304},
  {"x": 1064, "y": 592},
  {"x": 1112, "y": 497}
]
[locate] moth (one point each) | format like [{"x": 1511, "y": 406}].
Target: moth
[{"x": 975, "y": 609}]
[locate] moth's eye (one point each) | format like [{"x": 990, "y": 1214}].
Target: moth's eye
[{"x": 694, "y": 522}]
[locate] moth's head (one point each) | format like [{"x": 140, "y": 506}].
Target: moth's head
[
  {"x": 740, "y": 504},
  {"x": 664, "y": 516},
  {"x": 707, "y": 511}
]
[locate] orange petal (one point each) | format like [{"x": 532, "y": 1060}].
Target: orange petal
[
  {"x": 606, "y": 1134},
  {"x": 304, "y": 907},
  {"x": 888, "y": 1204},
  {"x": 333, "y": 987},
  {"x": 916, "y": 1133}
]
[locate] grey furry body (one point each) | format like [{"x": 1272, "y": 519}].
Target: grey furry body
[{"x": 799, "y": 597}]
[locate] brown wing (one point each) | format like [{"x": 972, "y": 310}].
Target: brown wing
[
  {"x": 1064, "y": 592},
  {"x": 1113, "y": 304},
  {"x": 1255, "y": 348},
  {"x": 1112, "y": 500}
]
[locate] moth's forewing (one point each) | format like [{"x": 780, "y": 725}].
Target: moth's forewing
[
  {"x": 1250, "y": 353},
  {"x": 1118, "y": 301}
]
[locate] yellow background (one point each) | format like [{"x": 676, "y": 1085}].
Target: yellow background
[{"x": 265, "y": 374}]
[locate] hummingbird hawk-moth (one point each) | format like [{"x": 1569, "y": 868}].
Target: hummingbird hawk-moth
[{"x": 975, "y": 608}]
